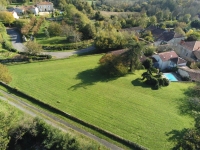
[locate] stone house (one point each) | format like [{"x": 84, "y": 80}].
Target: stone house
[
  {"x": 45, "y": 6},
  {"x": 19, "y": 10},
  {"x": 193, "y": 74},
  {"x": 24, "y": 9},
  {"x": 167, "y": 60},
  {"x": 34, "y": 10},
  {"x": 164, "y": 36},
  {"x": 15, "y": 15},
  {"x": 190, "y": 51}
]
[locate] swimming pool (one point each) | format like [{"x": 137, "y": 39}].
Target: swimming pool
[{"x": 170, "y": 76}]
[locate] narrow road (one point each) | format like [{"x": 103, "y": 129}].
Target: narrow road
[
  {"x": 16, "y": 39},
  {"x": 31, "y": 110},
  {"x": 17, "y": 44},
  {"x": 59, "y": 55}
]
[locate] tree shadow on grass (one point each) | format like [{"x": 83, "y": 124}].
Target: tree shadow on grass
[
  {"x": 90, "y": 77},
  {"x": 187, "y": 105},
  {"x": 141, "y": 83},
  {"x": 176, "y": 136}
]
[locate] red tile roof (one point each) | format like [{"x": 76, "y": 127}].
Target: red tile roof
[
  {"x": 193, "y": 73},
  {"x": 45, "y": 3},
  {"x": 165, "y": 56},
  {"x": 197, "y": 54},
  {"x": 193, "y": 45}
]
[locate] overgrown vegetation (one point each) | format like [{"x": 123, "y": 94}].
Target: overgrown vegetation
[
  {"x": 4, "y": 74},
  {"x": 188, "y": 138},
  {"x": 19, "y": 132}
]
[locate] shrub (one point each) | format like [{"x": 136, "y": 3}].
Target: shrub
[
  {"x": 149, "y": 51},
  {"x": 154, "y": 81},
  {"x": 185, "y": 78},
  {"x": 13, "y": 50},
  {"x": 4, "y": 74},
  {"x": 166, "y": 82},
  {"x": 194, "y": 103},
  {"x": 7, "y": 45},
  {"x": 161, "y": 81},
  {"x": 49, "y": 56}
]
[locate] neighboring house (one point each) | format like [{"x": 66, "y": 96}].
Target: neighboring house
[
  {"x": 15, "y": 15},
  {"x": 45, "y": 6},
  {"x": 193, "y": 74},
  {"x": 162, "y": 36},
  {"x": 34, "y": 10},
  {"x": 188, "y": 50},
  {"x": 19, "y": 10},
  {"x": 167, "y": 60},
  {"x": 23, "y": 9}
]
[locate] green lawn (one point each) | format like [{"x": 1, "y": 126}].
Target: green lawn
[{"x": 122, "y": 106}]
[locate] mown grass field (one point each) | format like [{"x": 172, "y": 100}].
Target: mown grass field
[{"x": 123, "y": 106}]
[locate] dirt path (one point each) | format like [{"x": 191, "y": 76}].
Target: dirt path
[{"x": 34, "y": 111}]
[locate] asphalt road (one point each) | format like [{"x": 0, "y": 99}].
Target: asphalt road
[
  {"x": 17, "y": 44},
  {"x": 53, "y": 120},
  {"x": 59, "y": 55},
  {"x": 16, "y": 39}
]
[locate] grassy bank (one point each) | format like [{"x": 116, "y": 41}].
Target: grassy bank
[{"x": 123, "y": 106}]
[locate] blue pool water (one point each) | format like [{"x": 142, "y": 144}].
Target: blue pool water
[{"x": 170, "y": 76}]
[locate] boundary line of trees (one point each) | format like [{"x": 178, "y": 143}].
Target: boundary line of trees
[{"x": 112, "y": 136}]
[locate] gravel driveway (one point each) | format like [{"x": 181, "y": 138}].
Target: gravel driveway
[{"x": 16, "y": 39}]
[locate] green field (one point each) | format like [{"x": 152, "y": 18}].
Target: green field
[{"x": 122, "y": 106}]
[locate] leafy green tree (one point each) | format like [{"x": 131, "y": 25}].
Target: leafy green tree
[
  {"x": 33, "y": 48},
  {"x": 88, "y": 31},
  {"x": 147, "y": 63},
  {"x": 134, "y": 52},
  {"x": 5, "y": 126},
  {"x": 54, "y": 29},
  {"x": 159, "y": 16},
  {"x": 153, "y": 20},
  {"x": 186, "y": 18},
  {"x": 109, "y": 39},
  {"x": 113, "y": 65},
  {"x": 195, "y": 24},
  {"x": 180, "y": 31},
  {"x": 6, "y": 17}
]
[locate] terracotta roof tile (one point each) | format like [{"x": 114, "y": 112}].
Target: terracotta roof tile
[
  {"x": 165, "y": 56},
  {"x": 193, "y": 73},
  {"x": 45, "y": 3},
  {"x": 193, "y": 45},
  {"x": 197, "y": 53}
]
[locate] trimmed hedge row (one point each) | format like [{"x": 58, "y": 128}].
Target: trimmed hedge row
[
  {"x": 64, "y": 47},
  {"x": 30, "y": 57},
  {"x": 119, "y": 139}
]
